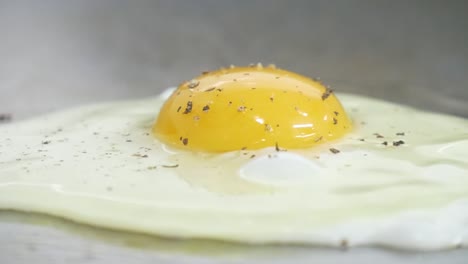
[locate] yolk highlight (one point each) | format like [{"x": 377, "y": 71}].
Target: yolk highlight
[{"x": 250, "y": 108}]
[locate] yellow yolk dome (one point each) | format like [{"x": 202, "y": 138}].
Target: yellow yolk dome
[{"x": 250, "y": 108}]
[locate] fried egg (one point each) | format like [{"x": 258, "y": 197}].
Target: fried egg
[{"x": 247, "y": 154}]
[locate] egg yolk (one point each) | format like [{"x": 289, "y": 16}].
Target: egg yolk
[{"x": 250, "y": 108}]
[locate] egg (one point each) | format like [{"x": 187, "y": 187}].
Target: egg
[
  {"x": 287, "y": 162},
  {"x": 251, "y": 108}
]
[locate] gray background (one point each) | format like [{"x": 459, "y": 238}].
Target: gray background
[{"x": 57, "y": 54}]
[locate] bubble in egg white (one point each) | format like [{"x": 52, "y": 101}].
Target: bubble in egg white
[{"x": 281, "y": 168}]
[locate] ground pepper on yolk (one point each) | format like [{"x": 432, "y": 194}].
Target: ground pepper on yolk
[{"x": 250, "y": 107}]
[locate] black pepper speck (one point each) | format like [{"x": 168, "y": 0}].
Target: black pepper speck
[
  {"x": 334, "y": 150},
  {"x": 188, "y": 109}
]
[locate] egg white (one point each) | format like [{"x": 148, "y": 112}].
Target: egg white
[{"x": 100, "y": 165}]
